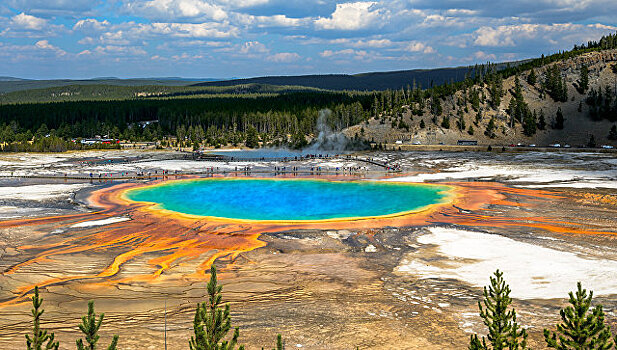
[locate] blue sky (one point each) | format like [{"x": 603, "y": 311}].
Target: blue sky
[{"x": 243, "y": 38}]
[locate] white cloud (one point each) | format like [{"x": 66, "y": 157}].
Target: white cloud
[
  {"x": 358, "y": 54},
  {"x": 437, "y": 20},
  {"x": 360, "y": 43},
  {"x": 44, "y": 44},
  {"x": 42, "y": 50},
  {"x": 86, "y": 41},
  {"x": 114, "y": 38},
  {"x": 352, "y": 16},
  {"x": 253, "y": 47},
  {"x": 28, "y": 26},
  {"x": 50, "y": 8},
  {"x": 481, "y": 55},
  {"x": 174, "y": 9},
  {"x": 119, "y": 50},
  {"x": 416, "y": 46},
  {"x": 373, "y": 43},
  {"x": 91, "y": 25},
  {"x": 503, "y": 35},
  {"x": 186, "y": 57},
  {"x": 103, "y": 33},
  {"x": 284, "y": 57},
  {"x": 25, "y": 21},
  {"x": 243, "y": 3},
  {"x": 331, "y": 32},
  {"x": 270, "y": 21},
  {"x": 460, "y": 12},
  {"x": 190, "y": 30},
  {"x": 330, "y": 53},
  {"x": 196, "y": 43},
  {"x": 512, "y": 35}
]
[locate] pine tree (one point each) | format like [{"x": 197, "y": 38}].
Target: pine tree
[
  {"x": 436, "y": 108},
  {"x": 559, "y": 120},
  {"x": 529, "y": 123},
  {"x": 252, "y": 139},
  {"x": 612, "y": 135},
  {"x": 298, "y": 141},
  {"x": 512, "y": 111},
  {"x": 532, "y": 78},
  {"x": 461, "y": 123},
  {"x": 518, "y": 91},
  {"x": 478, "y": 117},
  {"x": 541, "y": 121},
  {"x": 212, "y": 323},
  {"x": 592, "y": 142},
  {"x": 42, "y": 132},
  {"x": 474, "y": 342},
  {"x": 375, "y": 107},
  {"x": 555, "y": 85},
  {"x": 581, "y": 327},
  {"x": 39, "y": 336},
  {"x": 90, "y": 328},
  {"x": 496, "y": 90},
  {"x": 445, "y": 123},
  {"x": 583, "y": 80},
  {"x": 490, "y": 128},
  {"x": 422, "y": 124},
  {"x": 475, "y": 99},
  {"x": 503, "y": 330},
  {"x": 279, "y": 343}
]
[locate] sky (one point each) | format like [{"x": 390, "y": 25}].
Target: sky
[{"x": 51, "y": 39}]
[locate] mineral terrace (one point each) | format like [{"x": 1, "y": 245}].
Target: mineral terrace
[{"x": 547, "y": 220}]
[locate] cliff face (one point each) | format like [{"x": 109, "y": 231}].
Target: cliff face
[
  {"x": 578, "y": 125},
  {"x": 594, "y": 60}
]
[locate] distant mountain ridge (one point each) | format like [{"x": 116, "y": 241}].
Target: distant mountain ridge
[
  {"x": 362, "y": 81},
  {"x": 12, "y": 79},
  {"x": 424, "y": 78},
  {"x": 12, "y": 84}
]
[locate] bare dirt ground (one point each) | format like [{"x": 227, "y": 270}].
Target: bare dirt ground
[{"x": 388, "y": 288}]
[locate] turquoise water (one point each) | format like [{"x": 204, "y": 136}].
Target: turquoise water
[{"x": 266, "y": 199}]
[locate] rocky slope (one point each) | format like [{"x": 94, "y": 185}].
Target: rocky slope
[{"x": 578, "y": 126}]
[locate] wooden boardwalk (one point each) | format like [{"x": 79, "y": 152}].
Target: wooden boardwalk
[{"x": 210, "y": 171}]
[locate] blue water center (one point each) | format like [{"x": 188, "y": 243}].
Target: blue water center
[{"x": 288, "y": 200}]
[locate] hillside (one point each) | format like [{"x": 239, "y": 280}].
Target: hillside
[
  {"x": 578, "y": 125},
  {"x": 566, "y": 97},
  {"x": 10, "y": 84},
  {"x": 103, "y": 92},
  {"x": 362, "y": 82}
]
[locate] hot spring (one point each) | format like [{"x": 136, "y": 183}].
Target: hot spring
[{"x": 288, "y": 199}]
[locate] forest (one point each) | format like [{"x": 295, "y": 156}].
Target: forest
[
  {"x": 284, "y": 115},
  {"x": 216, "y": 120}
]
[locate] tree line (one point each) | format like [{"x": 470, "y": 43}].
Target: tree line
[
  {"x": 288, "y": 116},
  {"x": 602, "y": 103},
  {"x": 213, "y": 120}
]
